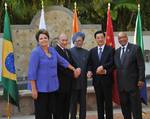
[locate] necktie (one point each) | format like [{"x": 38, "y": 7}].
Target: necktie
[
  {"x": 122, "y": 55},
  {"x": 100, "y": 53},
  {"x": 66, "y": 53}
]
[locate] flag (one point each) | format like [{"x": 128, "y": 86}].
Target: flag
[
  {"x": 138, "y": 39},
  {"x": 0, "y": 59},
  {"x": 75, "y": 24},
  {"x": 42, "y": 24},
  {"x": 9, "y": 81},
  {"x": 110, "y": 41}
]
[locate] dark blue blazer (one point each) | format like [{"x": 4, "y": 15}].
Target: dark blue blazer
[{"x": 107, "y": 61}]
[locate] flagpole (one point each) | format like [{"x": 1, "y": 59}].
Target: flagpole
[
  {"x": 138, "y": 7},
  {"x": 42, "y": 3},
  {"x": 74, "y": 12},
  {"x": 135, "y": 37},
  {"x": 8, "y": 108},
  {"x": 108, "y": 5},
  {"x": 8, "y": 104},
  {"x": 42, "y": 24},
  {"x": 75, "y": 6}
]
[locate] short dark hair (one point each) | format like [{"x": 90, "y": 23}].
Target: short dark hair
[
  {"x": 98, "y": 32},
  {"x": 41, "y": 31}
]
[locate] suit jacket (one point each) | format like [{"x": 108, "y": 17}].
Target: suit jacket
[
  {"x": 106, "y": 61},
  {"x": 65, "y": 76},
  {"x": 80, "y": 57},
  {"x": 132, "y": 69}
]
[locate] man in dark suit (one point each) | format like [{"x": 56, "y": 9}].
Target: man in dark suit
[
  {"x": 100, "y": 68},
  {"x": 78, "y": 95},
  {"x": 65, "y": 77},
  {"x": 130, "y": 67}
]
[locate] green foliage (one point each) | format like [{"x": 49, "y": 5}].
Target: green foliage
[
  {"x": 145, "y": 13},
  {"x": 123, "y": 12},
  {"x": 120, "y": 9}
]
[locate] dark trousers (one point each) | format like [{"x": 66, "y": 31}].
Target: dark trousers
[
  {"x": 45, "y": 105},
  {"x": 104, "y": 101},
  {"x": 78, "y": 96},
  {"x": 130, "y": 103},
  {"x": 63, "y": 105}
]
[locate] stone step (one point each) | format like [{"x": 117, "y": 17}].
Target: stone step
[
  {"x": 91, "y": 115},
  {"x": 27, "y": 108}
]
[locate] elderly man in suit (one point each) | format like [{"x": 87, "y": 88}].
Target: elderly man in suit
[
  {"x": 80, "y": 56},
  {"x": 100, "y": 68},
  {"x": 66, "y": 78},
  {"x": 130, "y": 67}
]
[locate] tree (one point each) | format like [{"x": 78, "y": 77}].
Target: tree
[
  {"x": 145, "y": 14},
  {"x": 123, "y": 12}
]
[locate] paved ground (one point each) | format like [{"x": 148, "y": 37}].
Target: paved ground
[{"x": 93, "y": 115}]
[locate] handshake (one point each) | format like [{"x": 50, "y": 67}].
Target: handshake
[{"x": 76, "y": 71}]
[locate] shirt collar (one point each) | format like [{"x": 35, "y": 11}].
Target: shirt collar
[
  {"x": 101, "y": 47},
  {"x": 125, "y": 47},
  {"x": 60, "y": 46}
]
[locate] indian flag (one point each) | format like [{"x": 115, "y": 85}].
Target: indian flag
[
  {"x": 9, "y": 81},
  {"x": 75, "y": 24}
]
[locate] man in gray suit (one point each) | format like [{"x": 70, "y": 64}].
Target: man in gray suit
[
  {"x": 130, "y": 67},
  {"x": 80, "y": 57}
]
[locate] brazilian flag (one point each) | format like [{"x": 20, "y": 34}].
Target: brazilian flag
[{"x": 9, "y": 81}]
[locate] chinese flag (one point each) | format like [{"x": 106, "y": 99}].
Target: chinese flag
[{"x": 110, "y": 41}]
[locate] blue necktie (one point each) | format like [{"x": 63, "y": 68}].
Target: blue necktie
[{"x": 100, "y": 53}]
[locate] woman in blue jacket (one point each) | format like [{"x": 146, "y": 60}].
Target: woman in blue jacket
[{"x": 42, "y": 75}]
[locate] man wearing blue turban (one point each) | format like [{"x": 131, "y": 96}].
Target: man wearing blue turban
[
  {"x": 76, "y": 35},
  {"x": 80, "y": 57}
]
